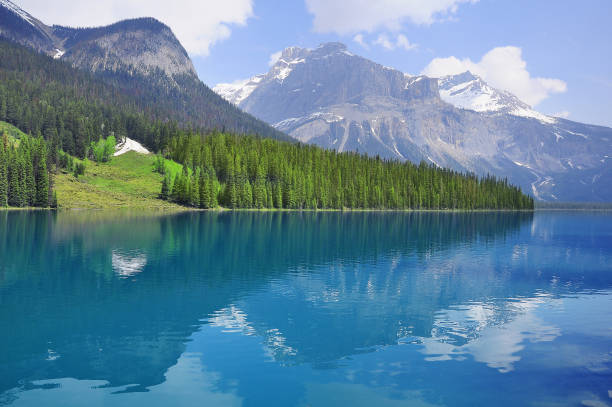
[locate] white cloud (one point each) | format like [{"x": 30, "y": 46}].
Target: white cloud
[
  {"x": 351, "y": 16},
  {"x": 359, "y": 40},
  {"x": 401, "y": 42},
  {"x": 274, "y": 58},
  {"x": 503, "y": 68},
  {"x": 384, "y": 42},
  {"x": 197, "y": 24}
]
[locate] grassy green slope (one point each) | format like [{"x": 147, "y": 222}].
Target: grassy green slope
[
  {"x": 127, "y": 181},
  {"x": 13, "y": 132}
]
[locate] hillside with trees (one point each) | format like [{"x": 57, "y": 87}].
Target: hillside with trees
[
  {"x": 72, "y": 108},
  {"x": 73, "y": 115},
  {"x": 250, "y": 172}
]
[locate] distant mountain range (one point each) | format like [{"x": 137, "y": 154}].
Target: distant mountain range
[
  {"x": 330, "y": 97},
  {"x": 141, "y": 57}
]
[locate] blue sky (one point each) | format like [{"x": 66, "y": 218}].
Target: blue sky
[{"x": 555, "y": 55}]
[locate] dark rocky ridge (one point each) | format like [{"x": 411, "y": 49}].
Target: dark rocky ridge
[{"x": 138, "y": 46}]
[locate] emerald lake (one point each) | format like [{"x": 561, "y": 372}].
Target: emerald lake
[{"x": 305, "y": 309}]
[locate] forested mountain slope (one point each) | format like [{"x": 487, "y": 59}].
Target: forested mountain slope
[
  {"x": 142, "y": 58},
  {"x": 92, "y": 89},
  {"x": 71, "y": 108}
]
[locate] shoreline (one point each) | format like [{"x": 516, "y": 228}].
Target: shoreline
[
  {"x": 222, "y": 209},
  {"x": 179, "y": 209}
]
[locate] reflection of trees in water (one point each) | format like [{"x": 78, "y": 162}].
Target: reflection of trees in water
[
  {"x": 226, "y": 240},
  {"x": 131, "y": 330}
]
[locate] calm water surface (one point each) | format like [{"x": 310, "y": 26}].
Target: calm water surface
[{"x": 283, "y": 309}]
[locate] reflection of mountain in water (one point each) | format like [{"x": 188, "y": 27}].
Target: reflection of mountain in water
[
  {"x": 296, "y": 280},
  {"x": 127, "y": 265}
]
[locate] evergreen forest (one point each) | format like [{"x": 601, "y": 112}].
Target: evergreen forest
[
  {"x": 70, "y": 113},
  {"x": 251, "y": 172}
]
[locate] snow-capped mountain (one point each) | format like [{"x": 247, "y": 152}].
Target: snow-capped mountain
[
  {"x": 238, "y": 91},
  {"x": 469, "y": 91},
  {"x": 333, "y": 98}
]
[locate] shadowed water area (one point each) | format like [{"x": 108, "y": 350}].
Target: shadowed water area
[{"x": 307, "y": 309}]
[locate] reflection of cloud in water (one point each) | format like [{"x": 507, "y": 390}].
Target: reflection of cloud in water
[
  {"x": 233, "y": 319},
  {"x": 52, "y": 355},
  {"x": 127, "y": 265},
  {"x": 473, "y": 330},
  {"x": 186, "y": 381}
]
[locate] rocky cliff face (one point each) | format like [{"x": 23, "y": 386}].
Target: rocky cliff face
[
  {"x": 332, "y": 98},
  {"x": 141, "y": 46}
]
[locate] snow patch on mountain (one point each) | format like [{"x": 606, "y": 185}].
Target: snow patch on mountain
[
  {"x": 283, "y": 68},
  {"x": 412, "y": 80},
  {"x": 327, "y": 117},
  {"x": 533, "y": 114},
  {"x": 238, "y": 91},
  {"x": 129, "y": 145},
  {"x": 469, "y": 91}
]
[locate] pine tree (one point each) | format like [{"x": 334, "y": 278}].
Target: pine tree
[
  {"x": 3, "y": 176},
  {"x": 165, "y": 189},
  {"x": 231, "y": 188},
  {"x": 204, "y": 190},
  {"x": 13, "y": 182},
  {"x": 194, "y": 190},
  {"x": 277, "y": 195},
  {"x": 53, "y": 203},
  {"x": 177, "y": 188},
  {"x": 23, "y": 184},
  {"x": 42, "y": 176}
]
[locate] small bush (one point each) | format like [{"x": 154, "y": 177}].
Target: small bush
[
  {"x": 103, "y": 150},
  {"x": 79, "y": 169}
]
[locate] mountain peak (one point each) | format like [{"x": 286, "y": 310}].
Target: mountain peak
[
  {"x": 323, "y": 76},
  {"x": 465, "y": 76},
  {"x": 102, "y": 49},
  {"x": 469, "y": 91},
  {"x": 323, "y": 50},
  {"x": 291, "y": 53},
  {"x": 330, "y": 47},
  {"x": 110, "y": 48},
  {"x": 131, "y": 24}
]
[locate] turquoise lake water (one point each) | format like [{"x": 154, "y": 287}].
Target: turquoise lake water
[{"x": 306, "y": 309}]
